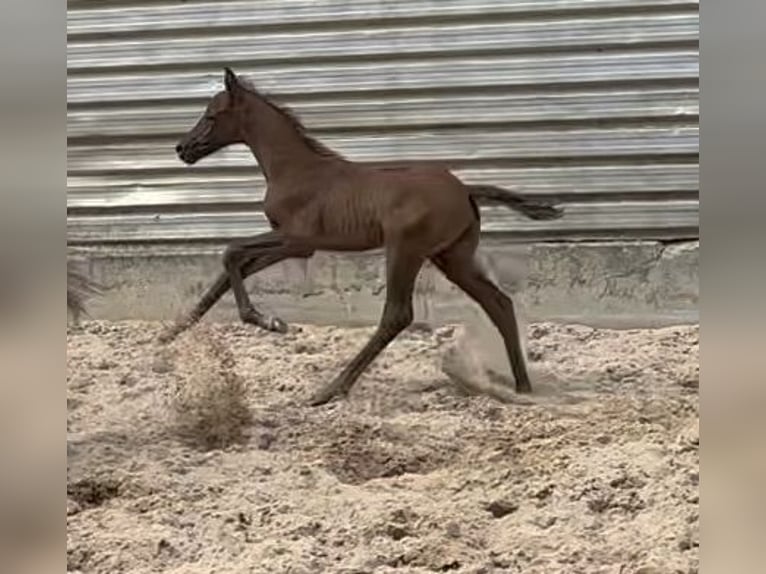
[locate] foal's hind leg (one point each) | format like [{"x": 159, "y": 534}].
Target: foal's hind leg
[
  {"x": 459, "y": 266},
  {"x": 402, "y": 269}
]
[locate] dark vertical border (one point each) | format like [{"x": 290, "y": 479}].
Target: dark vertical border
[
  {"x": 733, "y": 205},
  {"x": 32, "y": 312}
]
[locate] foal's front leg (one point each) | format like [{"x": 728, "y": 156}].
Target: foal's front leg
[
  {"x": 248, "y": 256},
  {"x": 217, "y": 290},
  {"x": 267, "y": 246}
]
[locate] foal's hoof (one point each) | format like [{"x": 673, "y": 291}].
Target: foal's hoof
[
  {"x": 524, "y": 387},
  {"x": 275, "y": 324},
  {"x": 324, "y": 397},
  {"x": 168, "y": 335},
  {"x": 267, "y": 322}
]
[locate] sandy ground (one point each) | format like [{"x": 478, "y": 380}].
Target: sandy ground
[{"x": 599, "y": 473}]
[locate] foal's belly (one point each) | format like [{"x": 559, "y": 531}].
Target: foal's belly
[{"x": 333, "y": 234}]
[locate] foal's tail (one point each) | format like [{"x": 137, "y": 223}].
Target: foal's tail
[
  {"x": 532, "y": 208},
  {"x": 79, "y": 288}
]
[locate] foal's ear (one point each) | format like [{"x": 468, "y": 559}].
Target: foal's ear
[{"x": 231, "y": 81}]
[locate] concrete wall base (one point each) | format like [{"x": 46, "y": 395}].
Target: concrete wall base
[{"x": 617, "y": 284}]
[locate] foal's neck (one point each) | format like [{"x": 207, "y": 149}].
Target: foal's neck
[{"x": 274, "y": 140}]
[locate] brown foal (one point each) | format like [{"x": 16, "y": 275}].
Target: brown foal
[{"x": 316, "y": 200}]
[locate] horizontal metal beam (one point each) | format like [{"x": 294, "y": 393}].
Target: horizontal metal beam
[
  {"x": 579, "y": 221},
  {"x": 390, "y": 75},
  {"x": 192, "y": 188},
  {"x": 410, "y": 112},
  {"x": 94, "y": 17},
  {"x": 440, "y": 146},
  {"x": 385, "y": 42}
]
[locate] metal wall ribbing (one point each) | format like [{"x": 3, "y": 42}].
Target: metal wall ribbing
[{"x": 593, "y": 102}]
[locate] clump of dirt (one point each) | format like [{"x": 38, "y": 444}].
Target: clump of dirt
[
  {"x": 208, "y": 398},
  {"x": 501, "y": 508},
  {"x": 92, "y": 492}
]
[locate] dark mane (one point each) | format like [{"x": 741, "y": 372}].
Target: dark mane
[{"x": 313, "y": 144}]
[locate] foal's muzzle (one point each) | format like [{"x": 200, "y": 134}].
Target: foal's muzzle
[{"x": 189, "y": 154}]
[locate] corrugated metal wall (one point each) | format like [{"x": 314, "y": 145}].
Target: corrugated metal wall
[{"x": 594, "y": 102}]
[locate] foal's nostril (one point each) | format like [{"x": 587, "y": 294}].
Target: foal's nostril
[{"x": 179, "y": 148}]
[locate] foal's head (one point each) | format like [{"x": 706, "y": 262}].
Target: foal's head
[{"x": 218, "y": 127}]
